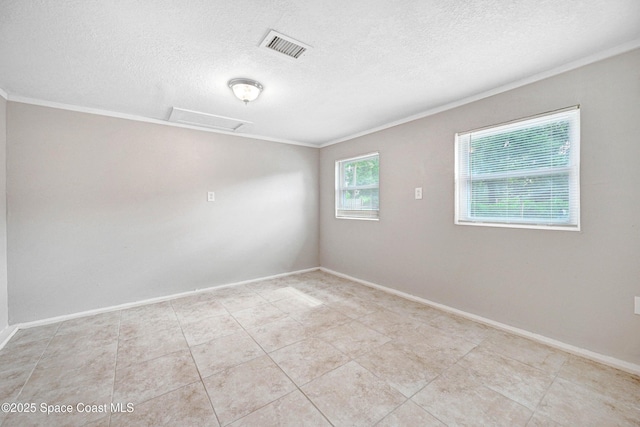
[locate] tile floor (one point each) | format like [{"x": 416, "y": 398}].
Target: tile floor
[{"x": 304, "y": 350}]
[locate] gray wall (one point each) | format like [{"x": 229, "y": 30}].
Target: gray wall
[
  {"x": 104, "y": 211},
  {"x": 4, "y": 313},
  {"x": 577, "y": 287}
]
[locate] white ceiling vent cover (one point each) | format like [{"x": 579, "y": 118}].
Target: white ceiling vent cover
[
  {"x": 195, "y": 118},
  {"x": 284, "y": 44}
]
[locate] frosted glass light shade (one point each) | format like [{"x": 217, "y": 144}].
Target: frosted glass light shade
[{"x": 245, "y": 89}]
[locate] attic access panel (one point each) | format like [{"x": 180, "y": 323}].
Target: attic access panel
[{"x": 195, "y": 118}]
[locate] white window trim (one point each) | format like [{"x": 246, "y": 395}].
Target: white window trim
[
  {"x": 366, "y": 214},
  {"x": 575, "y": 178}
]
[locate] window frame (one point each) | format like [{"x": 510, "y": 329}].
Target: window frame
[
  {"x": 358, "y": 214},
  {"x": 573, "y": 172}
]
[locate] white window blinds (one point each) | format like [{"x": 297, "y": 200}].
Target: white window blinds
[
  {"x": 357, "y": 187},
  {"x": 524, "y": 173}
]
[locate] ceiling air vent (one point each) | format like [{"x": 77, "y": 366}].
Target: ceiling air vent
[
  {"x": 195, "y": 118},
  {"x": 284, "y": 44}
]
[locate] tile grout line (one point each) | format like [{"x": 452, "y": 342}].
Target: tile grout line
[
  {"x": 351, "y": 359},
  {"x": 489, "y": 388},
  {"x": 545, "y": 393},
  {"x": 435, "y": 378},
  {"x": 589, "y": 387},
  {"x": 298, "y": 388},
  {"x": 592, "y": 390},
  {"x": 513, "y": 359},
  {"x": 281, "y": 370},
  {"x": 115, "y": 365},
  {"x": 36, "y": 364},
  {"x": 163, "y": 355},
  {"x": 195, "y": 364},
  {"x": 476, "y": 346}
]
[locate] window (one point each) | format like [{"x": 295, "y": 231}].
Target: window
[
  {"x": 357, "y": 187},
  {"x": 521, "y": 174}
]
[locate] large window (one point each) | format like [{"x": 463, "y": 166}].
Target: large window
[
  {"x": 521, "y": 174},
  {"x": 357, "y": 187}
]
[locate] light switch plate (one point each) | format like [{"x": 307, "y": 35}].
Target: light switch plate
[
  {"x": 636, "y": 309},
  {"x": 211, "y": 196}
]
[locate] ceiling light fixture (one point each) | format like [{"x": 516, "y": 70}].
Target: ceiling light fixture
[{"x": 245, "y": 89}]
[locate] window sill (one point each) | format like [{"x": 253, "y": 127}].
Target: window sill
[
  {"x": 516, "y": 225},
  {"x": 357, "y": 218}
]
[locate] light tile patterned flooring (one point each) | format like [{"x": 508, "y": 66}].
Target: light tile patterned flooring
[{"x": 304, "y": 350}]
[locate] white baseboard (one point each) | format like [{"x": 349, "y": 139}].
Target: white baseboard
[
  {"x": 6, "y": 334},
  {"x": 629, "y": 367},
  {"x": 11, "y": 330}
]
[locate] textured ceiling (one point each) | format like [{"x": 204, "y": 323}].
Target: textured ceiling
[{"x": 372, "y": 62}]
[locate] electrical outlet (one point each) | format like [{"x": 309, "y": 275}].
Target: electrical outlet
[
  {"x": 211, "y": 196},
  {"x": 418, "y": 193},
  {"x": 636, "y": 309}
]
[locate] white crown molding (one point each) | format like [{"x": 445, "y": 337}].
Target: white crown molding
[
  {"x": 617, "y": 50},
  {"x": 11, "y": 330},
  {"x": 629, "y": 367},
  {"x": 99, "y": 112}
]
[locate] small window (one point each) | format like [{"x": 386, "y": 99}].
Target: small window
[
  {"x": 357, "y": 187},
  {"x": 521, "y": 174}
]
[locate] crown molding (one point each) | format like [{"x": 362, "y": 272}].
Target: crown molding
[
  {"x": 108, "y": 113},
  {"x": 608, "y": 53}
]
